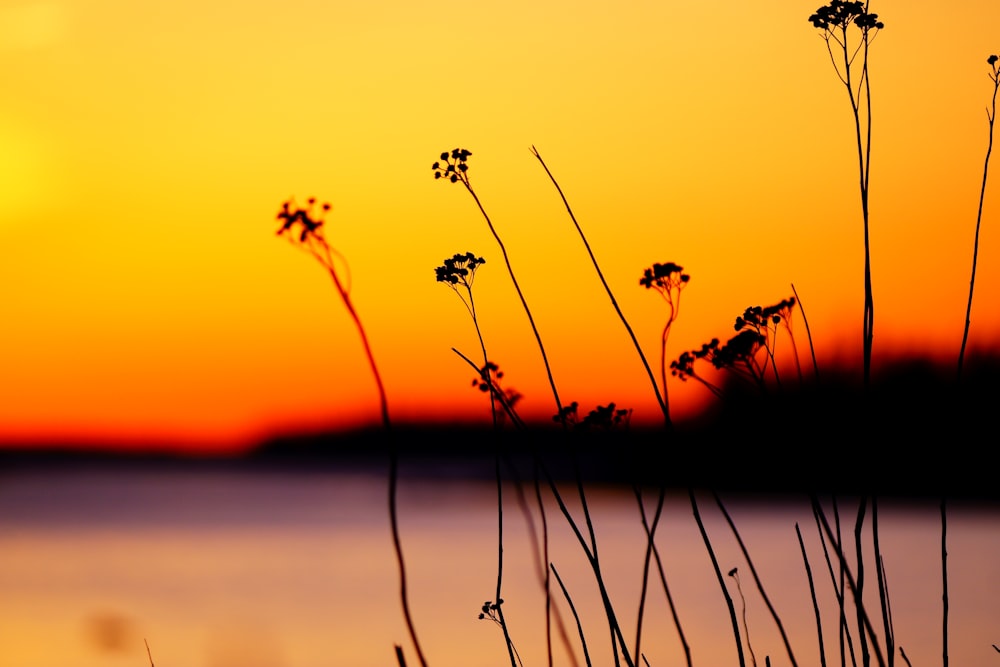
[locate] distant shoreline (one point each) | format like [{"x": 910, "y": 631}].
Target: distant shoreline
[{"x": 771, "y": 464}]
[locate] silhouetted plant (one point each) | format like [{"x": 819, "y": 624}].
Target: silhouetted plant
[
  {"x": 991, "y": 114},
  {"x": 602, "y": 418},
  {"x": 661, "y": 400},
  {"x": 805, "y": 321},
  {"x": 683, "y": 367},
  {"x": 489, "y": 379},
  {"x": 735, "y": 575},
  {"x": 490, "y": 611},
  {"x": 765, "y": 321},
  {"x": 757, "y": 329},
  {"x": 667, "y": 279},
  {"x": 454, "y": 168},
  {"x": 836, "y": 20},
  {"x": 310, "y": 237},
  {"x": 459, "y": 272}
]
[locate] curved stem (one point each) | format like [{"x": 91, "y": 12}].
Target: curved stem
[
  {"x": 660, "y": 399},
  {"x": 979, "y": 216},
  {"x": 524, "y": 303}
]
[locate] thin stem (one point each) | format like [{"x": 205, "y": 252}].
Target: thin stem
[
  {"x": 883, "y": 588},
  {"x": 591, "y": 553},
  {"x": 650, "y": 545},
  {"x": 499, "y": 596},
  {"x": 398, "y": 546},
  {"x": 756, "y": 578},
  {"x": 495, "y": 391},
  {"x": 864, "y": 623},
  {"x": 718, "y": 574},
  {"x": 486, "y": 359},
  {"x": 572, "y": 608},
  {"x": 734, "y": 573},
  {"x": 326, "y": 259},
  {"x": 865, "y": 192},
  {"x": 660, "y": 399},
  {"x": 864, "y": 159},
  {"x": 944, "y": 585},
  {"x": 805, "y": 321},
  {"x": 991, "y": 115},
  {"x": 812, "y": 596},
  {"x": 860, "y": 582},
  {"x": 524, "y": 303},
  {"x": 663, "y": 577}
]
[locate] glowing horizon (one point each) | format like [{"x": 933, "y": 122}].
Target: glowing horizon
[{"x": 148, "y": 149}]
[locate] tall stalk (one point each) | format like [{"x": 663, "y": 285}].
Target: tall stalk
[
  {"x": 310, "y": 238},
  {"x": 991, "y": 114},
  {"x": 835, "y": 19},
  {"x": 660, "y": 399},
  {"x": 453, "y": 167}
]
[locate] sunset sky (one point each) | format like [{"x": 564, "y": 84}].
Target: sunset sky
[{"x": 145, "y": 149}]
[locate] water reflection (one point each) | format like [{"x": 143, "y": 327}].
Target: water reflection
[{"x": 227, "y": 569}]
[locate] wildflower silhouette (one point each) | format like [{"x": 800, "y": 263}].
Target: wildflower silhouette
[
  {"x": 602, "y": 418},
  {"x": 667, "y": 279},
  {"x": 454, "y": 168},
  {"x": 459, "y": 272},
  {"x": 490, "y": 611},
  {"x": 764, "y": 322},
  {"x": 991, "y": 115},
  {"x": 756, "y": 330},
  {"x": 309, "y": 236},
  {"x": 660, "y": 399},
  {"x": 489, "y": 379},
  {"x": 837, "y": 21}
]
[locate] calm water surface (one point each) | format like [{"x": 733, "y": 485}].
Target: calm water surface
[{"x": 240, "y": 569}]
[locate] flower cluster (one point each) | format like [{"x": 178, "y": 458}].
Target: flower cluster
[
  {"x": 303, "y": 216},
  {"x": 740, "y": 350},
  {"x": 459, "y": 269},
  {"x": 683, "y": 367},
  {"x": 489, "y": 374},
  {"x": 602, "y": 418},
  {"x": 489, "y": 381},
  {"x": 664, "y": 278},
  {"x": 760, "y": 318},
  {"x": 840, "y": 14},
  {"x": 489, "y": 610},
  {"x": 453, "y": 166},
  {"x": 755, "y": 328}
]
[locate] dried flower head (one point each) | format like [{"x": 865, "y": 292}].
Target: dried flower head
[
  {"x": 840, "y": 14},
  {"x": 305, "y": 217},
  {"x": 664, "y": 277},
  {"x": 453, "y": 166},
  {"x": 459, "y": 269}
]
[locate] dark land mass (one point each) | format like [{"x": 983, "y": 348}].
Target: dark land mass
[{"x": 915, "y": 433}]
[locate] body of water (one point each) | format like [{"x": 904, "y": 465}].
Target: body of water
[{"x": 240, "y": 568}]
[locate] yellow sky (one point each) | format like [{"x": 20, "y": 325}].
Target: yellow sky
[{"x": 146, "y": 148}]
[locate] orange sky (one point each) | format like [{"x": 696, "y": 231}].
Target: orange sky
[{"x": 146, "y": 148}]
